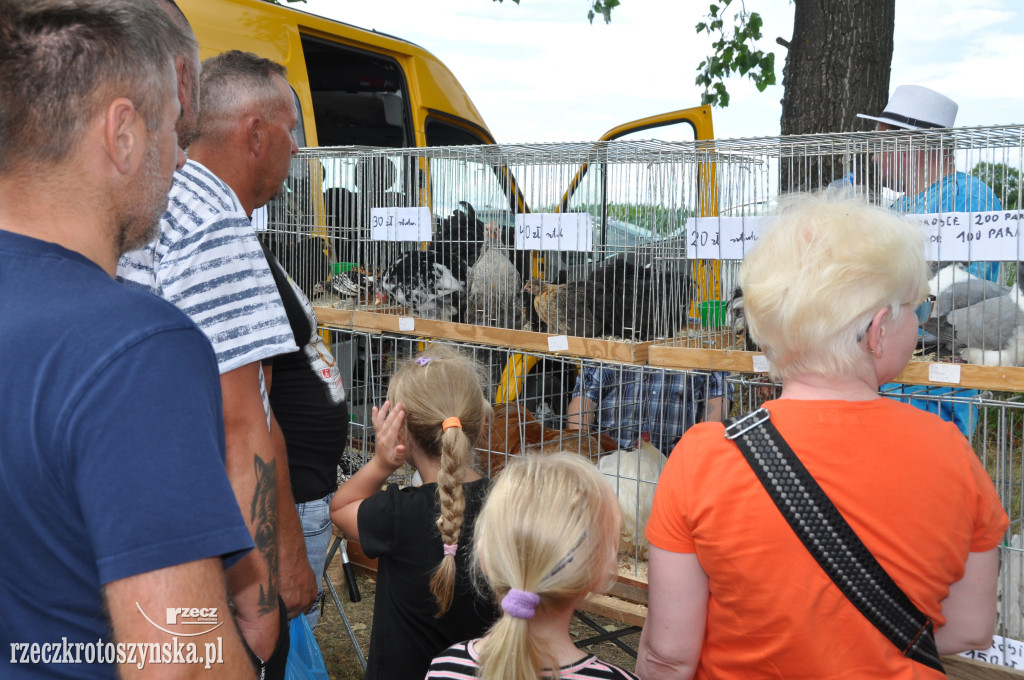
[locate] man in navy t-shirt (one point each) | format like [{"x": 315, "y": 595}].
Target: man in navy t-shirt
[{"x": 117, "y": 514}]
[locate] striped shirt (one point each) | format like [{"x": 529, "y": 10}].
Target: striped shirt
[
  {"x": 461, "y": 661},
  {"x": 208, "y": 262}
]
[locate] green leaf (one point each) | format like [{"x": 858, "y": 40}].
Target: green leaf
[{"x": 734, "y": 50}]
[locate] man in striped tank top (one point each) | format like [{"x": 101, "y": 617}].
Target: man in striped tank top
[{"x": 208, "y": 262}]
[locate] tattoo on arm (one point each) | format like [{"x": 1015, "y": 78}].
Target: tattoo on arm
[{"x": 263, "y": 516}]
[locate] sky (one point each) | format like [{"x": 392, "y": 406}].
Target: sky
[{"x": 539, "y": 72}]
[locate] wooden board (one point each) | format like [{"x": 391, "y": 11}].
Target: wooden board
[
  {"x": 358, "y": 559},
  {"x": 629, "y": 590},
  {"x": 1000, "y": 378},
  {"x": 596, "y": 348},
  {"x": 615, "y": 609},
  {"x": 960, "y": 668}
]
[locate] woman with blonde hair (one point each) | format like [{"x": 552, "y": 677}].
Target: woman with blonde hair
[
  {"x": 422, "y": 536},
  {"x": 546, "y": 537},
  {"x": 741, "y": 583}
]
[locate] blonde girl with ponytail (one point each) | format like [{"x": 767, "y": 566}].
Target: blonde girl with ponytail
[
  {"x": 421, "y": 536},
  {"x": 546, "y": 537}
]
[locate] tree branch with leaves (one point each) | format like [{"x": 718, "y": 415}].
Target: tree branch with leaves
[{"x": 733, "y": 53}]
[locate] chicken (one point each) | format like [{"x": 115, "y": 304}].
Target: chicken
[
  {"x": 736, "y": 314},
  {"x": 356, "y": 284},
  {"x": 432, "y": 282},
  {"x": 515, "y": 431},
  {"x": 619, "y": 298},
  {"x": 564, "y": 308},
  {"x": 493, "y": 297},
  {"x": 430, "y": 286},
  {"x": 633, "y": 475},
  {"x": 460, "y": 236}
]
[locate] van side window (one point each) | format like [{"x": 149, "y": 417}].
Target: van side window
[
  {"x": 359, "y": 98},
  {"x": 300, "y": 129},
  {"x": 453, "y": 180},
  {"x": 440, "y": 133}
]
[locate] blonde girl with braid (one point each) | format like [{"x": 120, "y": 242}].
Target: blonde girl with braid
[
  {"x": 546, "y": 537},
  {"x": 421, "y": 536}
]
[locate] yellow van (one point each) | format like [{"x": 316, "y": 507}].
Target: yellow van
[{"x": 356, "y": 87}]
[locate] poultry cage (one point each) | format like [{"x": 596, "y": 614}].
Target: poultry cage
[
  {"x": 544, "y": 260},
  {"x": 629, "y": 441},
  {"x": 640, "y": 242},
  {"x": 538, "y": 420}
]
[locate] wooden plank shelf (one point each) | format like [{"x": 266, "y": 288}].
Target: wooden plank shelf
[
  {"x": 655, "y": 354},
  {"x": 594, "y": 348},
  {"x": 999, "y": 378}
]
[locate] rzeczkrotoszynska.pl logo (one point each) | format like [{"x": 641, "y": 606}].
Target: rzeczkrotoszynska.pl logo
[{"x": 205, "y": 618}]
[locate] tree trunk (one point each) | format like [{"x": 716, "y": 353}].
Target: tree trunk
[{"x": 838, "y": 66}]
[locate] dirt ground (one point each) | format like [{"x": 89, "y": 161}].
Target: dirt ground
[{"x": 340, "y": 657}]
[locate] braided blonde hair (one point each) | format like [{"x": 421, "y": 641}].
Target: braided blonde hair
[{"x": 438, "y": 385}]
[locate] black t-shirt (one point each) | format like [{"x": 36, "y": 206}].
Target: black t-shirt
[
  {"x": 312, "y": 414},
  {"x": 398, "y": 527}
]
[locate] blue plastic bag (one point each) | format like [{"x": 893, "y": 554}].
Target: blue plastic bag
[{"x": 305, "y": 662}]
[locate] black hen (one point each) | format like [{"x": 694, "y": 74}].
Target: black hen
[
  {"x": 460, "y": 235},
  {"x": 619, "y": 298}
]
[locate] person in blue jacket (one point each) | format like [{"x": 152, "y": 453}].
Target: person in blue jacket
[{"x": 930, "y": 183}]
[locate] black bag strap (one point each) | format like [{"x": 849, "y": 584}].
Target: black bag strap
[{"x": 830, "y": 540}]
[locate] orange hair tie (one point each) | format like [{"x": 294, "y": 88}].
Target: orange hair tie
[{"x": 451, "y": 422}]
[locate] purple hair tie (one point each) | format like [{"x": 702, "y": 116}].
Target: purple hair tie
[
  {"x": 521, "y": 604},
  {"x": 450, "y": 548},
  {"x": 423, "y": 361}
]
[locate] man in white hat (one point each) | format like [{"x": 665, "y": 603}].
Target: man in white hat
[
  {"x": 930, "y": 183},
  {"x": 927, "y": 175}
]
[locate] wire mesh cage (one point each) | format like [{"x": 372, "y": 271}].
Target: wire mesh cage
[
  {"x": 540, "y": 405},
  {"x": 533, "y": 413},
  {"x": 642, "y": 241}
]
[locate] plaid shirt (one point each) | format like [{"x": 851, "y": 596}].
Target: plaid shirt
[{"x": 632, "y": 400}]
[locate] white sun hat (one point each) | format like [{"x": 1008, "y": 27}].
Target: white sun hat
[{"x": 913, "y": 107}]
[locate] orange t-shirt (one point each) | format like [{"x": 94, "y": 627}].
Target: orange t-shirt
[{"x": 907, "y": 482}]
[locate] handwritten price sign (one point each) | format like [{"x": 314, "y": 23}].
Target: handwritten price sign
[
  {"x": 400, "y": 224},
  {"x": 983, "y": 236},
  {"x": 721, "y": 238},
  {"x": 993, "y": 236},
  {"x": 555, "y": 231},
  {"x": 1003, "y": 652}
]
